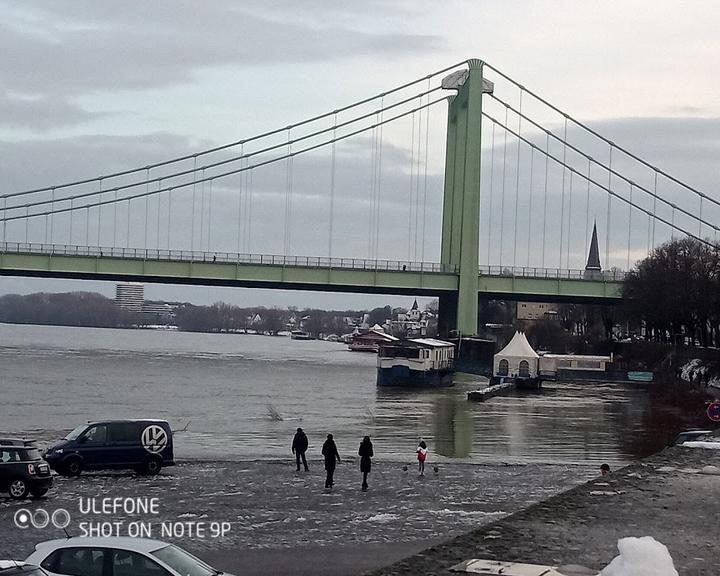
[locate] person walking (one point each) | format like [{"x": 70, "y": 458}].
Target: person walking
[
  {"x": 299, "y": 447},
  {"x": 330, "y": 452},
  {"x": 421, "y": 456},
  {"x": 366, "y": 453}
]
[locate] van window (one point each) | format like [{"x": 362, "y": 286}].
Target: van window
[
  {"x": 96, "y": 434},
  {"x": 124, "y": 432},
  {"x": 76, "y": 432}
]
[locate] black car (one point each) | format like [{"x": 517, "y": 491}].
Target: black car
[
  {"x": 13, "y": 568},
  {"x": 22, "y": 469}
]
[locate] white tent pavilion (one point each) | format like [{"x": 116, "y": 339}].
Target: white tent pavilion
[{"x": 517, "y": 359}]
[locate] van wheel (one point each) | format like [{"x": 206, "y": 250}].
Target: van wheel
[
  {"x": 18, "y": 489},
  {"x": 151, "y": 466},
  {"x": 72, "y": 467}
]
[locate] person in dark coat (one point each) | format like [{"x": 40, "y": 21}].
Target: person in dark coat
[
  {"x": 299, "y": 447},
  {"x": 366, "y": 453},
  {"x": 330, "y": 452}
]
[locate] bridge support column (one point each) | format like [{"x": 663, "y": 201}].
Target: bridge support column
[{"x": 461, "y": 201}]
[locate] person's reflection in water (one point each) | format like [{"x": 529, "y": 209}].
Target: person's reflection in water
[{"x": 453, "y": 427}]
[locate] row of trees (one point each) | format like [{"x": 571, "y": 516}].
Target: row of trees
[
  {"x": 221, "y": 317},
  {"x": 68, "y": 309},
  {"x": 675, "y": 292},
  {"x": 95, "y": 310}
]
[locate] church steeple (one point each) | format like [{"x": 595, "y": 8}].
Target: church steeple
[{"x": 593, "y": 261}]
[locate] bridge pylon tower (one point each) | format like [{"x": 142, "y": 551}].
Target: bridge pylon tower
[{"x": 461, "y": 199}]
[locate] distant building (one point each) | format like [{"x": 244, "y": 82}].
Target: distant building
[
  {"x": 536, "y": 311},
  {"x": 130, "y": 296},
  {"x": 410, "y": 323},
  {"x": 160, "y": 313},
  {"x": 593, "y": 268},
  {"x": 370, "y": 340}
]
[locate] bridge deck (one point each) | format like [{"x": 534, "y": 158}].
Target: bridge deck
[{"x": 297, "y": 273}]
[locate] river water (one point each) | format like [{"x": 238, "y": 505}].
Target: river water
[{"x": 222, "y": 390}]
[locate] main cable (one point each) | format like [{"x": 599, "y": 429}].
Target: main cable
[
  {"x": 238, "y": 142},
  {"x": 231, "y": 172}
]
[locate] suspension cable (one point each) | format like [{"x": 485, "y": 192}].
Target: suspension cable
[
  {"x": 378, "y": 187},
  {"x": 216, "y": 164},
  {"x": 530, "y": 212},
  {"x": 517, "y": 183},
  {"x": 238, "y": 142},
  {"x": 492, "y": 170},
  {"x": 237, "y": 170},
  {"x": 599, "y": 185},
  {"x": 603, "y": 138},
  {"x": 570, "y": 194},
  {"x": 587, "y": 207},
  {"x": 607, "y": 223},
  {"x": 425, "y": 179},
  {"x": 630, "y": 226},
  {"x": 545, "y": 195},
  {"x": 502, "y": 193},
  {"x": 332, "y": 189},
  {"x": 562, "y": 202},
  {"x": 412, "y": 192},
  {"x": 614, "y": 173}
]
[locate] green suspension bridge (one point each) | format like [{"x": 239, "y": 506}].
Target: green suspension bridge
[{"x": 515, "y": 211}]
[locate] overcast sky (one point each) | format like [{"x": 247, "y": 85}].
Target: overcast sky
[{"x": 90, "y": 87}]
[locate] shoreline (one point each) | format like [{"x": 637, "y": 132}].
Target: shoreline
[
  {"x": 276, "y": 514},
  {"x": 666, "y": 496},
  {"x": 283, "y": 522}
]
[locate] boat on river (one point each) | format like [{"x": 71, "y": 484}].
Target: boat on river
[
  {"x": 300, "y": 335},
  {"x": 370, "y": 340},
  {"x": 416, "y": 362}
]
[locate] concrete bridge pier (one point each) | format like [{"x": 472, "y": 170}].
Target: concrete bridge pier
[{"x": 461, "y": 200}]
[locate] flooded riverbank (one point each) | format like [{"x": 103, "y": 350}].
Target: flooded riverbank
[
  {"x": 224, "y": 389},
  {"x": 268, "y": 506}
]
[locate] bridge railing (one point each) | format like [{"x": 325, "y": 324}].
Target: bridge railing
[
  {"x": 226, "y": 257},
  {"x": 559, "y": 273}
]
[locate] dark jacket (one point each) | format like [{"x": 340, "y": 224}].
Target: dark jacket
[
  {"x": 365, "y": 452},
  {"x": 300, "y": 442},
  {"x": 330, "y": 452}
]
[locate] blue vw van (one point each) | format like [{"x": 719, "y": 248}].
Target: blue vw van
[{"x": 143, "y": 445}]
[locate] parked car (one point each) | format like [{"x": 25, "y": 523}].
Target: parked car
[
  {"x": 22, "y": 469},
  {"x": 16, "y": 568},
  {"x": 118, "y": 556},
  {"x": 143, "y": 445}
]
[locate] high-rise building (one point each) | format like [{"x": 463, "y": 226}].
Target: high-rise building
[{"x": 130, "y": 296}]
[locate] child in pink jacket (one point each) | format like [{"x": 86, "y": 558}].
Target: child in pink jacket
[{"x": 421, "y": 456}]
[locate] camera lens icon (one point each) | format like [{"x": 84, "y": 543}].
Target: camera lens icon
[
  {"x": 61, "y": 518},
  {"x": 23, "y": 518},
  {"x": 40, "y": 518}
]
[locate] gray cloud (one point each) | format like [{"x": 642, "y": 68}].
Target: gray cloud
[
  {"x": 63, "y": 49},
  {"x": 41, "y": 112}
]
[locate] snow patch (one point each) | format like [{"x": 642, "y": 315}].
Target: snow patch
[
  {"x": 383, "y": 518},
  {"x": 702, "y": 444},
  {"x": 643, "y": 556},
  {"x": 447, "y": 511}
]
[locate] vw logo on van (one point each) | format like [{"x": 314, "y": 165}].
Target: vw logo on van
[{"x": 154, "y": 439}]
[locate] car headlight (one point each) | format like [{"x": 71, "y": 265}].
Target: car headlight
[{"x": 58, "y": 451}]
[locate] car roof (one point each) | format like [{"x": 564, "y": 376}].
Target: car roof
[
  {"x": 17, "y": 443},
  {"x": 128, "y": 420},
  {"x": 120, "y": 542},
  {"x": 12, "y": 564}
]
